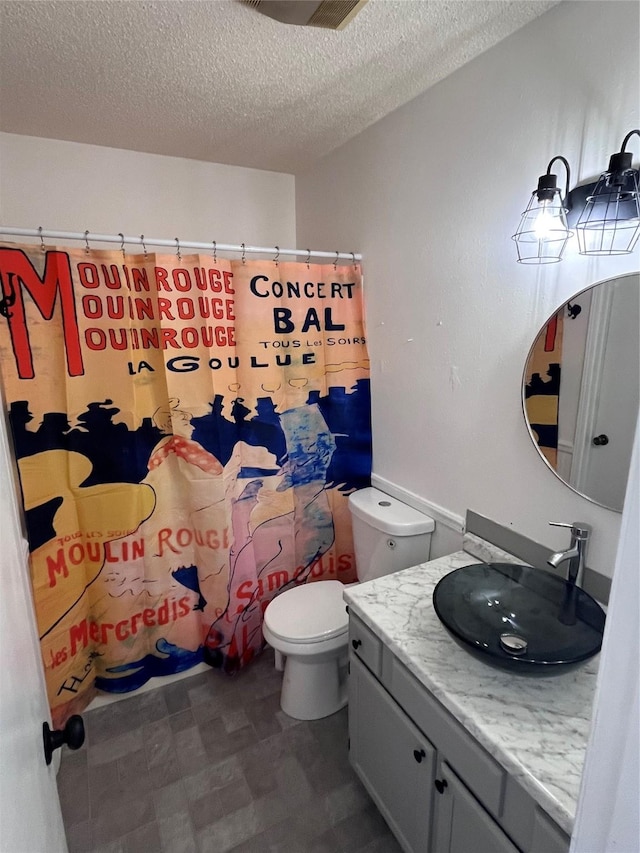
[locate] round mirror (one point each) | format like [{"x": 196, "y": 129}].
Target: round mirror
[{"x": 581, "y": 389}]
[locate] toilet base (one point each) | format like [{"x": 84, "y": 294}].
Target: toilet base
[{"x": 313, "y": 689}]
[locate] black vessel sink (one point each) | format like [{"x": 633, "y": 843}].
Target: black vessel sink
[{"x": 519, "y": 618}]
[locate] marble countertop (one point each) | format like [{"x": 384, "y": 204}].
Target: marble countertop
[{"x": 536, "y": 728}]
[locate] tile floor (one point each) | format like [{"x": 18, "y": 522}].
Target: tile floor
[{"x": 210, "y": 764}]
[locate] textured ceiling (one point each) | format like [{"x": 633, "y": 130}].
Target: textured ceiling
[{"x": 218, "y": 81}]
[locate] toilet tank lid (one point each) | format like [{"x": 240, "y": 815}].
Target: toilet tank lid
[{"x": 387, "y": 514}]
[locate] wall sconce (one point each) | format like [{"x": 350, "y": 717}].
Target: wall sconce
[
  {"x": 543, "y": 231},
  {"x": 610, "y": 220}
]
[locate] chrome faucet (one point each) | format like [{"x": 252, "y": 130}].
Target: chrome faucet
[{"x": 576, "y": 552}]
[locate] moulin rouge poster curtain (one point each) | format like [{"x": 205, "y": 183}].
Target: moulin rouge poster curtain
[
  {"x": 187, "y": 431},
  {"x": 542, "y": 387}
]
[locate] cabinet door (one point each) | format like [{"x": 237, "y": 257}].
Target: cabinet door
[
  {"x": 393, "y": 759},
  {"x": 461, "y": 823}
]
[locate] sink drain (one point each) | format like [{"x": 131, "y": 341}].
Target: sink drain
[{"x": 513, "y": 643}]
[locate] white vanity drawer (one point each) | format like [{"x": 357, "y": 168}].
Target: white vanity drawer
[
  {"x": 364, "y": 643},
  {"x": 482, "y": 775},
  {"x": 531, "y": 829},
  {"x": 547, "y": 836}
]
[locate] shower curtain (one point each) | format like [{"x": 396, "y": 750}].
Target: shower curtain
[{"x": 187, "y": 430}]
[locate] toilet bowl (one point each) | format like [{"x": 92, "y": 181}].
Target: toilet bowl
[{"x": 307, "y": 625}]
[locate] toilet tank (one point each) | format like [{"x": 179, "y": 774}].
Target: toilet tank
[{"x": 388, "y": 535}]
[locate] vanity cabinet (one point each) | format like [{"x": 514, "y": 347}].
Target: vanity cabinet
[
  {"x": 437, "y": 788},
  {"x": 461, "y": 824},
  {"x": 392, "y": 757}
]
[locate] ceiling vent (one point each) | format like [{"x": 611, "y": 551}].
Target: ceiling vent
[{"x": 330, "y": 14}]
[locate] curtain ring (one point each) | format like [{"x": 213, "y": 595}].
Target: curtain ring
[
  {"x": 144, "y": 248},
  {"x": 308, "y": 257},
  {"x": 121, "y": 236},
  {"x": 275, "y": 260},
  {"x": 42, "y": 246},
  {"x": 87, "y": 248},
  {"x": 215, "y": 255},
  {"x": 354, "y": 259},
  {"x": 179, "y": 254},
  {"x": 335, "y": 263},
  {"x": 243, "y": 253}
]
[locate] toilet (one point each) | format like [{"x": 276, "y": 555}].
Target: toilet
[{"x": 308, "y": 626}]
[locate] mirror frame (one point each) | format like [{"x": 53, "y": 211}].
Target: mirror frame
[{"x": 541, "y": 455}]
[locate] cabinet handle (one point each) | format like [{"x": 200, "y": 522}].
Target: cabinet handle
[
  {"x": 440, "y": 784},
  {"x": 419, "y": 754},
  {"x": 356, "y": 643}
]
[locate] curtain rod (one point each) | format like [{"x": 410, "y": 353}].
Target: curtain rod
[{"x": 172, "y": 244}]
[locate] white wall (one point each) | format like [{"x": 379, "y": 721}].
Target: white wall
[
  {"x": 431, "y": 195},
  {"x": 574, "y": 338},
  {"x": 73, "y": 187}
]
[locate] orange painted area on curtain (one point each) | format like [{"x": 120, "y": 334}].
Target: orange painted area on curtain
[{"x": 187, "y": 433}]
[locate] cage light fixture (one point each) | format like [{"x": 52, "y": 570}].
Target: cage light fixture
[
  {"x": 609, "y": 223},
  {"x": 543, "y": 232}
]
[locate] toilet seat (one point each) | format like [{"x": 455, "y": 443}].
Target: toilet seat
[{"x": 310, "y": 613}]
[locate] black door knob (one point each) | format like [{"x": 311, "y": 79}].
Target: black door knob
[
  {"x": 419, "y": 754},
  {"x": 72, "y": 734},
  {"x": 356, "y": 643},
  {"x": 440, "y": 784},
  {"x": 601, "y": 440}
]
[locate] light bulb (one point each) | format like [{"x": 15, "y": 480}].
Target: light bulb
[{"x": 545, "y": 222}]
